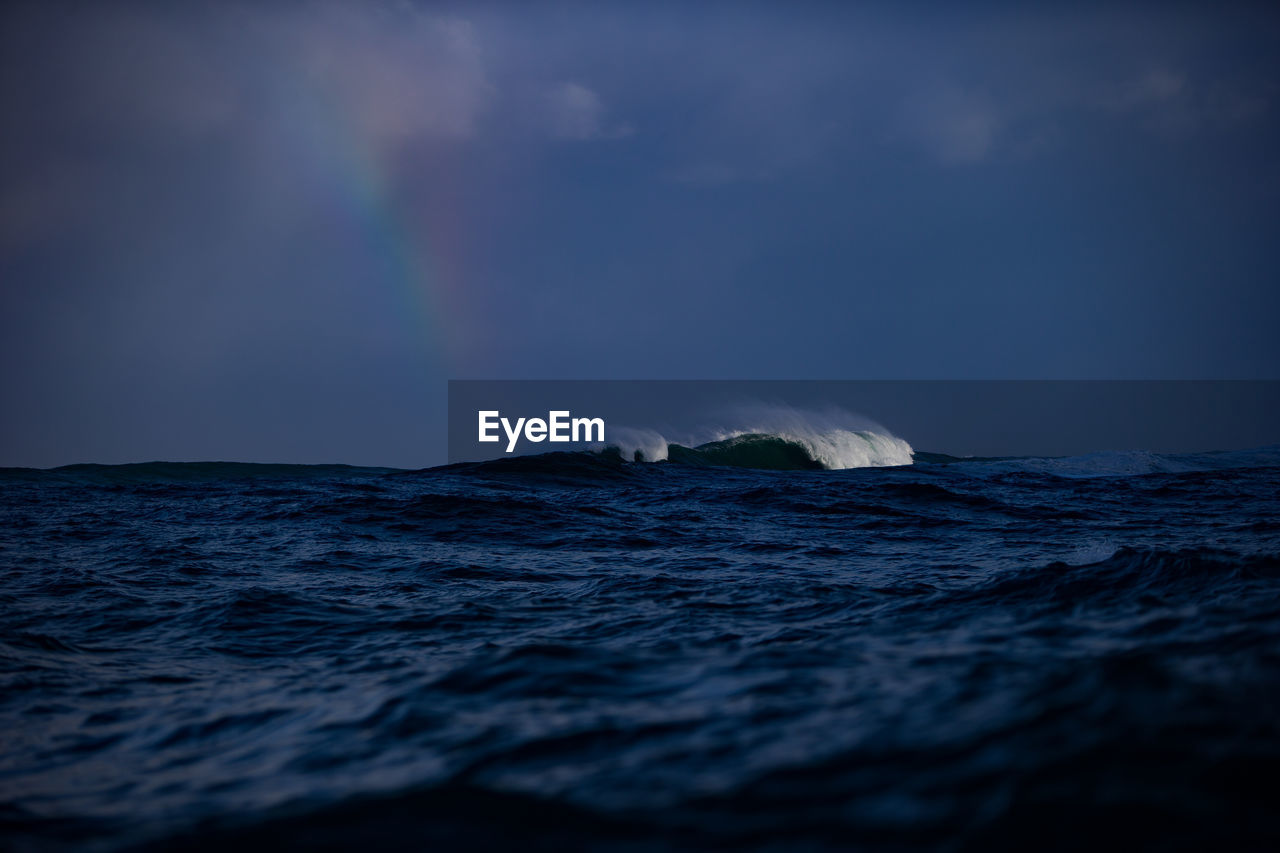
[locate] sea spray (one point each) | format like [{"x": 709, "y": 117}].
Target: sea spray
[{"x": 759, "y": 435}]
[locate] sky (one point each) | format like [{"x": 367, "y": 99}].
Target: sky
[{"x": 272, "y": 232}]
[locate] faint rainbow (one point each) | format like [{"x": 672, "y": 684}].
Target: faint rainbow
[{"x": 416, "y": 253}]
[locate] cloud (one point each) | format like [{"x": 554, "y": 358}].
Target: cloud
[
  {"x": 393, "y": 70},
  {"x": 952, "y": 125},
  {"x": 714, "y": 174},
  {"x": 1170, "y": 101},
  {"x": 575, "y": 112},
  {"x": 102, "y": 100},
  {"x": 400, "y": 73},
  {"x": 116, "y": 71},
  {"x": 1157, "y": 86}
]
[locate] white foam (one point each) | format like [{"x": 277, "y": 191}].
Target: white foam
[
  {"x": 836, "y": 438},
  {"x": 649, "y": 443},
  {"x": 840, "y": 448},
  {"x": 833, "y": 437},
  {"x": 1092, "y": 551}
]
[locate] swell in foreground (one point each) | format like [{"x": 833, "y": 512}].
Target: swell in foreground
[{"x": 575, "y": 651}]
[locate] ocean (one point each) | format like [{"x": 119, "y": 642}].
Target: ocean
[{"x": 581, "y": 651}]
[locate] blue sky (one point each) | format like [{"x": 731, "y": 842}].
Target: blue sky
[{"x": 272, "y": 233}]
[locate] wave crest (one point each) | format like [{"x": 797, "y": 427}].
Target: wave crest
[{"x": 777, "y": 438}]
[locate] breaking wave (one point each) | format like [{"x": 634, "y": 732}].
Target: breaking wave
[
  {"x": 773, "y": 437},
  {"x": 834, "y": 450}
]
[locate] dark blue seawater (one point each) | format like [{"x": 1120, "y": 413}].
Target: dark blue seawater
[{"x": 572, "y": 651}]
